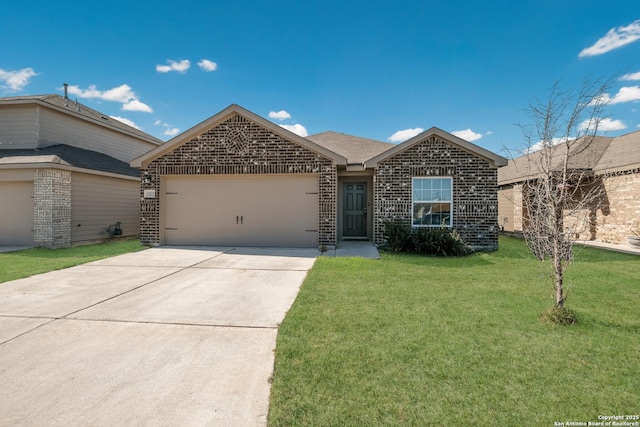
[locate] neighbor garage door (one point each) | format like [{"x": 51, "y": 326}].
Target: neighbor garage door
[
  {"x": 241, "y": 210},
  {"x": 16, "y": 213}
]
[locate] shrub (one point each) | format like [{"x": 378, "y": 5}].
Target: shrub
[
  {"x": 400, "y": 237},
  {"x": 559, "y": 316},
  {"x": 397, "y": 236}
]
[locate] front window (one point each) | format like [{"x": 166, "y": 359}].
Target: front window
[{"x": 432, "y": 202}]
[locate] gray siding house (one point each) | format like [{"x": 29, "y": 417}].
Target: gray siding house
[
  {"x": 239, "y": 179},
  {"x": 64, "y": 172}
]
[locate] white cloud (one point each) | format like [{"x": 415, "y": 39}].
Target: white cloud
[
  {"x": 15, "y": 81},
  {"x": 169, "y": 131},
  {"x": 631, "y": 76},
  {"x": 280, "y": 115},
  {"x": 604, "y": 125},
  {"x": 126, "y": 121},
  {"x": 403, "y": 135},
  {"x": 540, "y": 145},
  {"x": 625, "y": 94},
  {"x": 467, "y": 135},
  {"x": 298, "y": 129},
  {"x": 615, "y": 38},
  {"x": 180, "y": 66},
  {"x": 172, "y": 131},
  {"x": 122, "y": 94},
  {"x": 207, "y": 65},
  {"x": 135, "y": 105}
]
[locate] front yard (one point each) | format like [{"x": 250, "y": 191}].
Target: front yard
[
  {"x": 25, "y": 263},
  {"x": 410, "y": 340}
]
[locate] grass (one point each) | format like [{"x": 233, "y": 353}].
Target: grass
[
  {"x": 19, "y": 264},
  {"x": 410, "y": 340}
]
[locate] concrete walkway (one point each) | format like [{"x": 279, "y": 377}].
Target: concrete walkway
[
  {"x": 354, "y": 248},
  {"x": 624, "y": 248},
  {"x": 166, "y": 336}
]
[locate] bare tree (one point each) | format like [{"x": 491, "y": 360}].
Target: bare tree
[{"x": 562, "y": 191}]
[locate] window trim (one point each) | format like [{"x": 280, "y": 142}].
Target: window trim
[{"x": 413, "y": 201}]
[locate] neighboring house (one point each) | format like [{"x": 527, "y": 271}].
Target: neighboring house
[
  {"x": 239, "y": 179},
  {"x": 613, "y": 162},
  {"x": 64, "y": 172}
]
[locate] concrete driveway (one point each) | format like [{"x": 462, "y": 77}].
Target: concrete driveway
[{"x": 166, "y": 336}]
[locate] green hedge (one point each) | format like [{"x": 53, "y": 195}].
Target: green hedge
[{"x": 441, "y": 241}]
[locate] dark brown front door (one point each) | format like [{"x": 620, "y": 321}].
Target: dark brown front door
[{"x": 355, "y": 209}]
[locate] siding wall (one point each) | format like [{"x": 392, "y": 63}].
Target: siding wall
[
  {"x": 506, "y": 208},
  {"x": 60, "y": 128},
  {"x": 240, "y": 146},
  {"x": 99, "y": 201},
  {"x": 18, "y": 127},
  {"x": 16, "y": 212},
  {"x": 475, "y": 199}
]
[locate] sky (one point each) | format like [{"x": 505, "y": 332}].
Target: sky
[{"x": 384, "y": 70}]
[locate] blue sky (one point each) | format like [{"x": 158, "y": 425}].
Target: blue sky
[{"x": 376, "y": 69}]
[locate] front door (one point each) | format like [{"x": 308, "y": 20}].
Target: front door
[{"x": 355, "y": 209}]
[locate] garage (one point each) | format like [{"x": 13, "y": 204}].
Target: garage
[
  {"x": 16, "y": 211},
  {"x": 241, "y": 210}
]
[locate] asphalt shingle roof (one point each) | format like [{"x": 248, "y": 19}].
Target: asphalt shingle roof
[
  {"x": 357, "y": 150},
  {"x": 73, "y": 156},
  {"x": 603, "y": 154}
]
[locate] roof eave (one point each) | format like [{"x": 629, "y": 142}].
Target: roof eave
[
  {"x": 234, "y": 109},
  {"x": 495, "y": 160}
]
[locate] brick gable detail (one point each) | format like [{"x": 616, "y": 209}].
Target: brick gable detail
[
  {"x": 475, "y": 200},
  {"x": 240, "y": 146}
]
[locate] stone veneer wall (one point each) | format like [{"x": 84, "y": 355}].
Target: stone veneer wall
[
  {"x": 622, "y": 215},
  {"x": 240, "y": 146},
  {"x": 52, "y": 208},
  {"x": 475, "y": 197},
  {"x": 615, "y": 219}
]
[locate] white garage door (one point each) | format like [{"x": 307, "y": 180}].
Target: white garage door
[
  {"x": 16, "y": 213},
  {"x": 241, "y": 210}
]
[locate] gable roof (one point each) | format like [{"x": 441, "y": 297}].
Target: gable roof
[
  {"x": 623, "y": 153},
  {"x": 80, "y": 111},
  {"x": 67, "y": 155},
  {"x": 603, "y": 154},
  {"x": 357, "y": 150},
  {"x": 478, "y": 151},
  {"x": 224, "y": 115}
]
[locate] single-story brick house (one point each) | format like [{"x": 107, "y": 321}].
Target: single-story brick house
[
  {"x": 64, "y": 172},
  {"x": 613, "y": 162},
  {"x": 239, "y": 179}
]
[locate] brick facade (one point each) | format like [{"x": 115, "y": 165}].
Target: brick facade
[
  {"x": 615, "y": 217},
  {"x": 475, "y": 202},
  {"x": 52, "y": 208},
  {"x": 240, "y": 146},
  {"x": 622, "y": 213}
]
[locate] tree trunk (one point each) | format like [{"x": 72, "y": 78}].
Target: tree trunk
[
  {"x": 559, "y": 250},
  {"x": 557, "y": 264}
]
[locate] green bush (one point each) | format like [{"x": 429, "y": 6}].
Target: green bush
[
  {"x": 397, "y": 237},
  {"x": 441, "y": 241}
]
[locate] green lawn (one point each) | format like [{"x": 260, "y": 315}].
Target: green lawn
[
  {"x": 15, "y": 265},
  {"x": 410, "y": 340}
]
